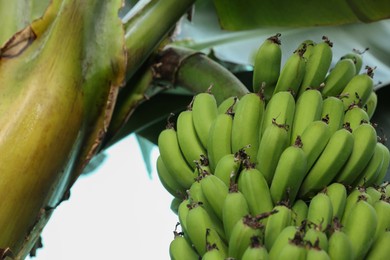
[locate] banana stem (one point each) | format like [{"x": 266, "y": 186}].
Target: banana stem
[{"x": 146, "y": 25}]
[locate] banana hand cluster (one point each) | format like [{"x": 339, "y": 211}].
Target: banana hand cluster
[{"x": 293, "y": 170}]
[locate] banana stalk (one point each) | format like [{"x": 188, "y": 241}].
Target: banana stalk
[{"x": 56, "y": 102}]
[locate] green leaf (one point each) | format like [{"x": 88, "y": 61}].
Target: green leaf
[
  {"x": 146, "y": 150},
  {"x": 252, "y": 14}
]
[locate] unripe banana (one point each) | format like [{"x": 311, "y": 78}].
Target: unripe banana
[
  {"x": 352, "y": 199},
  {"x": 198, "y": 225},
  {"x": 339, "y": 245},
  {"x": 215, "y": 191},
  {"x": 380, "y": 249},
  {"x": 364, "y": 146},
  {"x": 175, "y": 203},
  {"x": 315, "y": 253},
  {"x": 204, "y": 112},
  {"x": 190, "y": 145},
  {"x": 308, "y": 109},
  {"x": 299, "y": 212},
  {"x": 179, "y": 248},
  {"x": 276, "y": 223},
  {"x": 173, "y": 158},
  {"x": 328, "y": 164},
  {"x": 273, "y": 142},
  {"x": 167, "y": 179},
  {"x": 289, "y": 174},
  {"x": 356, "y": 57},
  {"x": 385, "y": 165},
  {"x": 242, "y": 232},
  {"x": 292, "y": 73},
  {"x": 266, "y": 67},
  {"x": 333, "y": 111},
  {"x": 315, "y": 137},
  {"x": 308, "y": 45},
  {"x": 228, "y": 167},
  {"x": 254, "y": 187},
  {"x": 234, "y": 208},
  {"x": 320, "y": 211},
  {"x": 280, "y": 109},
  {"x": 338, "y": 77},
  {"x": 337, "y": 194},
  {"x": 371, "y": 104},
  {"x": 382, "y": 209},
  {"x": 358, "y": 90},
  {"x": 213, "y": 253},
  {"x": 182, "y": 213},
  {"x": 287, "y": 234},
  {"x": 220, "y": 136},
  {"x": 247, "y": 122},
  {"x": 316, "y": 237},
  {"x": 294, "y": 249},
  {"x": 374, "y": 193},
  {"x": 317, "y": 65},
  {"x": 255, "y": 251},
  {"x": 373, "y": 167},
  {"x": 360, "y": 227},
  {"x": 355, "y": 116},
  {"x": 228, "y": 103}
]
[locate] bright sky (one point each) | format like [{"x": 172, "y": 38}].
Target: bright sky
[{"x": 116, "y": 213}]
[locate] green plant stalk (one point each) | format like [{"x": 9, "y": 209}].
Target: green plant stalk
[
  {"x": 147, "y": 24},
  {"x": 50, "y": 102}
]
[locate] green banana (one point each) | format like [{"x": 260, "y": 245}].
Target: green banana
[
  {"x": 365, "y": 140},
  {"x": 213, "y": 253},
  {"x": 308, "y": 45},
  {"x": 299, "y": 212},
  {"x": 199, "y": 224},
  {"x": 273, "y": 142},
  {"x": 289, "y": 174},
  {"x": 167, "y": 179},
  {"x": 355, "y": 116},
  {"x": 316, "y": 237},
  {"x": 255, "y": 189},
  {"x": 173, "y": 158},
  {"x": 317, "y": 65},
  {"x": 316, "y": 253},
  {"x": 179, "y": 248},
  {"x": 380, "y": 249},
  {"x": 280, "y": 109},
  {"x": 374, "y": 193},
  {"x": 294, "y": 249},
  {"x": 328, "y": 164},
  {"x": 358, "y": 90},
  {"x": 182, "y": 213},
  {"x": 255, "y": 250},
  {"x": 353, "y": 197},
  {"x": 234, "y": 208},
  {"x": 175, "y": 203},
  {"x": 240, "y": 238},
  {"x": 228, "y": 103},
  {"x": 292, "y": 72},
  {"x": 333, "y": 111},
  {"x": 308, "y": 109},
  {"x": 220, "y": 136},
  {"x": 190, "y": 145},
  {"x": 371, "y": 104},
  {"x": 373, "y": 167},
  {"x": 356, "y": 57},
  {"x": 215, "y": 191},
  {"x": 204, "y": 112},
  {"x": 228, "y": 167},
  {"x": 315, "y": 137},
  {"x": 385, "y": 165},
  {"x": 338, "y": 77},
  {"x": 382, "y": 209},
  {"x": 360, "y": 227},
  {"x": 337, "y": 194},
  {"x": 287, "y": 234},
  {"x": 266, "y": 67},
  {"x": 276, "y": 223},
  {"x": 320, "y": 211},
  {"x": 247, "y": 122},
  {"x": 339, "y": 244}
]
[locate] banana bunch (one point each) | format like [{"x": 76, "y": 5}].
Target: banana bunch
[{"x": 295, "y": 167}]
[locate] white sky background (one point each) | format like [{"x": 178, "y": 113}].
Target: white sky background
[{"x": 117, "y": 212}]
